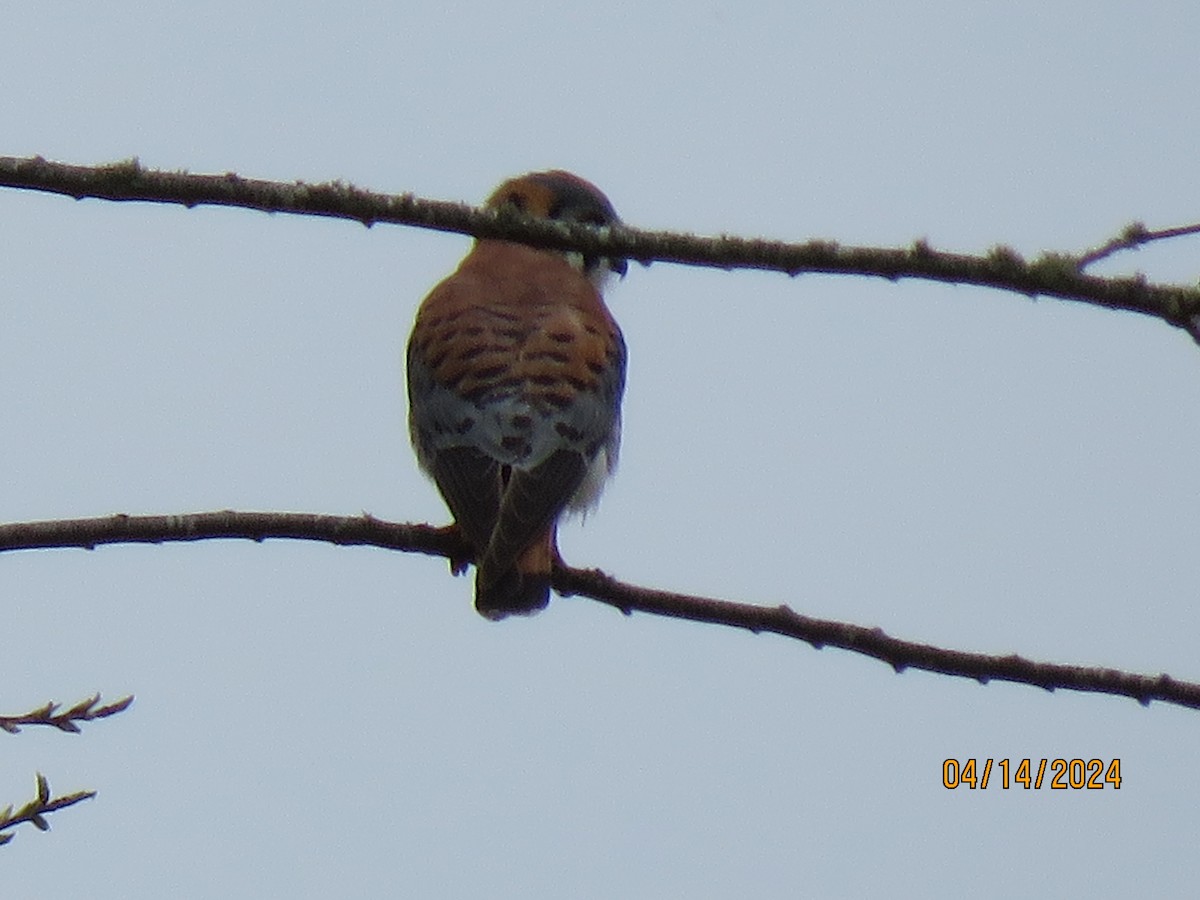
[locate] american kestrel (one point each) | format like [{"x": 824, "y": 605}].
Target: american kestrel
[{"x": 515, "y": 374}]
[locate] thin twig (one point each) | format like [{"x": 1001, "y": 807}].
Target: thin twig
[
  {"x": 1133, "y": 236},
  {"x": 83, "y": 711},
  {"x": 1057, "y": 275},
  {"x": 35, "y": 810},
  {"x": 366, "y": 530}
]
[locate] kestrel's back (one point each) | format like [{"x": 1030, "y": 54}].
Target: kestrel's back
[{"x": 515, "y": 375}]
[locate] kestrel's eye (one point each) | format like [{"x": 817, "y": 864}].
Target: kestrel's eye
[{"x": 516, "y": 200}]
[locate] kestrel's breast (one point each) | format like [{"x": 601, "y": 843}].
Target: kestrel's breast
[{"x": 516, "y": 355}]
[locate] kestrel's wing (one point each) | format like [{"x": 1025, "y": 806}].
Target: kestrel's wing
[
  {"x": 441, "y": 422},
  {"x": 470, "y": 482}
]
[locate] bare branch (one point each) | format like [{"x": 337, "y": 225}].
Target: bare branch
[
  {"x": 874, "y": 642},
  {"x": 1057, "y": 275},
  {"x": 366, "y": 530},
  {"x": 83, "y": 711},
  {"x": 35, "y": 810},
  {"x": 1134, "y": 235}
]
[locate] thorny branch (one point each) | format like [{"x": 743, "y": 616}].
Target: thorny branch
[
  {"x": 1058, "y": 275},
  {"x": 366, "y": 530}
]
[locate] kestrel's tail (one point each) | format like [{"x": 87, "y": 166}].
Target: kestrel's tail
[
  {"x": 513, "y": 575},
  {"x": 522, "y": 588}
]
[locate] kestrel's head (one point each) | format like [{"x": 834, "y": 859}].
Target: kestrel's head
[{"x": 568, "y": 198}]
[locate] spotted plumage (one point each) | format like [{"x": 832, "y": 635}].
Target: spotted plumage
[{"x": 515, "y": 374}]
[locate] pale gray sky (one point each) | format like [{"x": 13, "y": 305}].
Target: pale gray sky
[{"x": 955, "y": 465}]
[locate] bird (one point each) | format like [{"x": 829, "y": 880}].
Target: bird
[{"x": 516, "y": 372}]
